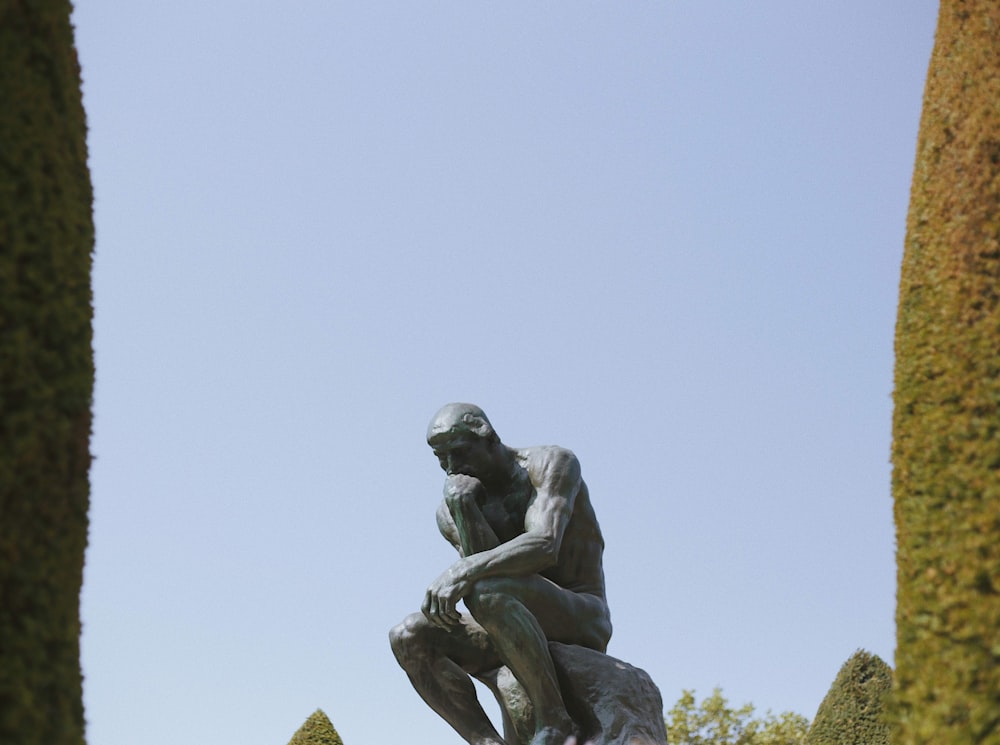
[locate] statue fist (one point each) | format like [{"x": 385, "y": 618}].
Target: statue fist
[{"x": 459, "y": 488}]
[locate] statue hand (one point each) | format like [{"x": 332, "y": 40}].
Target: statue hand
[
  {"x": 458, "y": 487},
  {"x": 443, "y": 595}
]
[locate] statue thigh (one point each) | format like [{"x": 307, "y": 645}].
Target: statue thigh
[{"x": 563, "y": 615}]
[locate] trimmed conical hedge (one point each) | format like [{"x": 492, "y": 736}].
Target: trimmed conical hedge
[
  {"x": 46, "y": 373},
  {"x": 946, "y": 426},
  {"x": 852, "y": 713},
  {"x": 317, "y": 730}
]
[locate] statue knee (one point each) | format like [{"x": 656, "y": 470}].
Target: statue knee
[
  {"x": 407, "y": 642},
  {"x": 489, "y": 598}
]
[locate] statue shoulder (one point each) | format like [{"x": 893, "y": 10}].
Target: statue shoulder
[{"x": 545, "y": 462}]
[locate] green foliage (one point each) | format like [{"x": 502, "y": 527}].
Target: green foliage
[
  {"x": 317, "y": 730},
  {"x": 46, "y": 373},
  {"x": 852, "y": 713},
  {"x": 946, "y": 426},
  {"x": 714, "y": 722}
]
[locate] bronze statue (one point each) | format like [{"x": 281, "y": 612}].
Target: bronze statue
[{"x": 530, "y": 572}]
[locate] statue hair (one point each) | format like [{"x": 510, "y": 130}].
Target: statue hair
[{"x": 457, "y": 418}]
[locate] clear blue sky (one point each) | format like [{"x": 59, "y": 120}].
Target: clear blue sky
[{"x": 666, "y": 235}]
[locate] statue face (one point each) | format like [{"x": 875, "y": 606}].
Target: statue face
[{"x": 465, "y": 454}]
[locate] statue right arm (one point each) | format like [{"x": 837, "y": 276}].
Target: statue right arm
[{"x": 446, "y": 524}]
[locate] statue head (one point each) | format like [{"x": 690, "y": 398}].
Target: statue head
[
  {"x": 464, "y": 441},
  {"x": 458, "y": 421}
]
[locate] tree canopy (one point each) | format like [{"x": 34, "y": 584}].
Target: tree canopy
[{"x": 715, "y": 722}]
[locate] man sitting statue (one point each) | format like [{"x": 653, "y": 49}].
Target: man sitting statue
[{"x": 530, "y": 572}]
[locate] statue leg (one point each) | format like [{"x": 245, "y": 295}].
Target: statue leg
[
  {"x": 523, "y": 646},
  {"x": 520, "y": 615},
  {"x": 439, "y": 662},
  {"x": 515, "y": 707}
]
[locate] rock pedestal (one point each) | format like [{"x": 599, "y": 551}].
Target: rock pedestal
[{"x": 610, "y": 701}]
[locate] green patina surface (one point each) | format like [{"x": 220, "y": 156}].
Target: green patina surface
[
  {"x": 46, "y": 373},
  {"x": 946, "y": 429}
]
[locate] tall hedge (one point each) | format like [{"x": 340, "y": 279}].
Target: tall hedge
[
  {"x": 946, "y": 429},
  {"x": 317, "y": 730},
  {"x": 853, "y": 711},
  {"x": 46, "y": 373}
]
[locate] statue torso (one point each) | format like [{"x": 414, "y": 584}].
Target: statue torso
[{"x": 580, "y": 566}]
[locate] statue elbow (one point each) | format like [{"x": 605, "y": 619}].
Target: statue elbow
[{"x": 549, "y": 551}]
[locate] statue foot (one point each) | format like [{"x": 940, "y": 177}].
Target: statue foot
[{"x": 553, "y": 736}]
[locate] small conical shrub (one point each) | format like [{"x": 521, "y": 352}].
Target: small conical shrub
[
  {"x": 317, "y": 730},
  {"x": 852, "y": 711}
]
